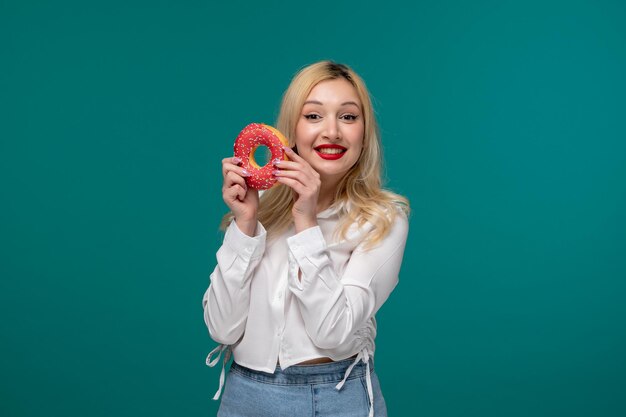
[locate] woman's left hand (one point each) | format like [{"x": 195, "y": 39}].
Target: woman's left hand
[{"x": 305, "y": 183}]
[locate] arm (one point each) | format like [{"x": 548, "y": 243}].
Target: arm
[
  {"x": 334, "y": 307},
  {"x": 227, "y": 299}
]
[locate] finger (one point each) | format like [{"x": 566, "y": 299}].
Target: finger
[
  {"x": 302, "y": 177},
  {"x": 241, "y": 192},
  {"x": 291, "y": 154},
  {"x": 304, "y": 174},
  {"x": 295, "y": 185},
  {"x": 240, "y": 172},
  {"x": 230, "y": 164},
  {"x": 235, "y": 194},
  {"x": 231, "y": 194},
  {"x": 232, "y": 178},
  {"x": 287, "y": 164},
  {"x": 252, "y": 192},
  {"x": 227, "y": 166},
  {"x": 292, "y": 167},
  {"x": 231, "y": 160},
  {"x": 301, "y": 164}
]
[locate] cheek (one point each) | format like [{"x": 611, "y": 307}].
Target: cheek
[
  {"x": 297, "y": 134},
  {"x": 304, "y": 134},
  {"x": 357, "y": 136},
  {"x": 357, "y": 144}
]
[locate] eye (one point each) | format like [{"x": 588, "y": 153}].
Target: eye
[
  {"x": 350, "y": 117},
  {"x": 311, "y": 116}
]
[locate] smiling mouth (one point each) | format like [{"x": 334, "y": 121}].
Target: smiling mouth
[{"x": 330, "y": 152}]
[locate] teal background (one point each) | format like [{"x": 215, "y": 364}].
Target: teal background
[{"x": 502, "y": 121}]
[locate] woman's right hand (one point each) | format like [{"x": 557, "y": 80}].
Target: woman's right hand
[{"x": 241, "y": 200}]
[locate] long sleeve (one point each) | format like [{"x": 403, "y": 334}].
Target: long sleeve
[
  {"x": 226, "y": 301},
  {"x": 333, "y": 307}
]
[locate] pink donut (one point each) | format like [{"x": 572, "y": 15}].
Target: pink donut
[{"x": 249, "y": 139}]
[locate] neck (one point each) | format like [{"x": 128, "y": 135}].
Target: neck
[{"x": 326, "y": 197}]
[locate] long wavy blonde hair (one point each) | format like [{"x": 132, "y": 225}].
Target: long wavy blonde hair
[{"x": 360, "y": 187}]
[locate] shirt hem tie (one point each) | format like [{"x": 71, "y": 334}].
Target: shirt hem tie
[
  {"x": 211, "y": 363},
  {"x": 365, "y": 357}
]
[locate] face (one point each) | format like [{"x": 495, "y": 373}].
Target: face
[{"x": 329, "y": 132}]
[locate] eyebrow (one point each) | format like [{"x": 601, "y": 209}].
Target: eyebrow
[{"x": 321, "y": 104}]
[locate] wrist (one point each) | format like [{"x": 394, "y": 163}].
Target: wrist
[
  {"x": 247, "y": 226},
  {"x": 303, "y": 223}
]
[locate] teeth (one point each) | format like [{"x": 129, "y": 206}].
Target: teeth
[{"x": 330, "y": 151}]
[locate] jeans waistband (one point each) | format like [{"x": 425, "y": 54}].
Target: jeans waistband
[{"x": 331, "y": 372}]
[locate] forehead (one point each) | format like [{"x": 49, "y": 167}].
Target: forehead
[{"x": 335, "y": 91}]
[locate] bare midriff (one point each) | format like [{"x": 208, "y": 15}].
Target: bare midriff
[
  {"x": 315, "y": 360},
  {"x": 319, "y": 360}
]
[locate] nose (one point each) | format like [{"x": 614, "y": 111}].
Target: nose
[{"x": 331, "y": 129}]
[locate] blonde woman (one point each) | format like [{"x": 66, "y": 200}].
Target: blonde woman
[{"x": 304, "y": 268}]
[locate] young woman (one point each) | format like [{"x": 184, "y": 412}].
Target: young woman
[{"x": 304, "y": 268}]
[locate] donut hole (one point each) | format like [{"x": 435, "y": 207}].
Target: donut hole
[{"x": 261, "y": 155}]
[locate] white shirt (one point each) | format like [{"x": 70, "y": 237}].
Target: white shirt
[{"x": 257, "y": 306}]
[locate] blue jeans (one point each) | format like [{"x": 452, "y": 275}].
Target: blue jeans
[{"x": 301, "y": 391}]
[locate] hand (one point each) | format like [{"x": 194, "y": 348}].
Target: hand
[
  {"x": 305, "y": 183},
  {"x": 241, "y": 200}
]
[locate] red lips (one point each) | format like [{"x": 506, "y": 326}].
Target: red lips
[{"x": 338, "y": 153}]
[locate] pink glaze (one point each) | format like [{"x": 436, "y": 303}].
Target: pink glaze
[{"x": 251, "y": 137}]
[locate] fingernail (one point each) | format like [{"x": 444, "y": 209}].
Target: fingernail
[
  {"x": 276, "y": 161},
  {"x": 236, "y": 160},
  {"x": 245, "y": 173},
  {"x": 287, "y": 148},
  {"x": 275, "y": 172}
]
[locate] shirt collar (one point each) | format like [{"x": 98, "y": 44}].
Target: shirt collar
[{"x": 333, "y": 210}]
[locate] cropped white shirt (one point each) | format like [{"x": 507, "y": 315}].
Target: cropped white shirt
[{"x": 257, "y": 306}]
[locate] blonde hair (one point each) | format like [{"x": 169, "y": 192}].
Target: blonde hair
[{"x": 360, "y": 187}]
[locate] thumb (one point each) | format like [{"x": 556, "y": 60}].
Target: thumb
[{"x": 253, "y": 193}]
